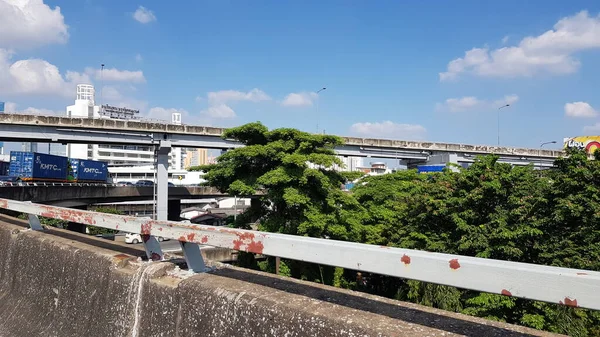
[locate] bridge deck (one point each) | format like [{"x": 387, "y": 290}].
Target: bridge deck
[
  {"x": 68, "y": 284},
  {"x": 206, "y": 136}
]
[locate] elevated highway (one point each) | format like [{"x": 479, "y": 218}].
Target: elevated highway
[
  {"x": 82, "y": 195},
  {"x": 31, "y": 128}
]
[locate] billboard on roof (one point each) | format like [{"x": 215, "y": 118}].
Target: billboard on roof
[{"x": 588, "y": 143}]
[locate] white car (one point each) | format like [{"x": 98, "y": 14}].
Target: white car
[{"x": 137, "y": 238}]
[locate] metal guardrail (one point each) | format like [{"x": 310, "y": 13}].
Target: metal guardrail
[{"x": 570, "y": 287}]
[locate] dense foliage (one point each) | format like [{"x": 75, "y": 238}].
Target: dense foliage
[{"x": 489, "y": 210}]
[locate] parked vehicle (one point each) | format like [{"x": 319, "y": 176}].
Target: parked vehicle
[
  {"x": 34, "y": 166},
  {"x": 83, "y": 170},
  {"x": 137, "y": 238},
  {"x": 144, "y": 183}
]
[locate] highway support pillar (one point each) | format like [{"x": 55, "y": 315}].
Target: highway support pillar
[
  {"x": 162, "y": 179},
  {"x": 151, "y": 244}
]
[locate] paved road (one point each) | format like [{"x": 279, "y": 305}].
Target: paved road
[{"x": 167, "y": 246}]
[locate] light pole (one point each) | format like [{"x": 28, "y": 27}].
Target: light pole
[
  {"x": 318, "y": 91},
  {"x": 540, "y": 151},
  {"x": 504, "y": 106},
  {"x": 101, "y": 84}
]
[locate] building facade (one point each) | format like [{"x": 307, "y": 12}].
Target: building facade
[
  {"x": 195, "y": 157},
  {"x": 126, "y": 163}
]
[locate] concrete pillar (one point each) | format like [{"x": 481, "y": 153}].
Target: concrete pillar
[{"x": 162, "y": 177}]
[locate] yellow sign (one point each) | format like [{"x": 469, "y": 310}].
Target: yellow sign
[
  {"x": 180, "y": 177},
  {"x": 588, "y": 143}
]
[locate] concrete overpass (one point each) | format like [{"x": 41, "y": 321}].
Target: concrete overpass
[
  {"x": 71, "y": 195},
  {"x": 31, "y": 128},
  {"x": 164, "y": 136},
  {"x": 59, "y": 283}
]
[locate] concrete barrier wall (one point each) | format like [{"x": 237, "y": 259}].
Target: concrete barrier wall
[{"x": 59, "y": 283}]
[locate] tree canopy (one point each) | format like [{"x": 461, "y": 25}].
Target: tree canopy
[
  {"x": 489, "y": 210},
  {"x": 294, "y": 168}
]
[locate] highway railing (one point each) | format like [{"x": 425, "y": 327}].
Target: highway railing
[{"x": 570, "y": 287}]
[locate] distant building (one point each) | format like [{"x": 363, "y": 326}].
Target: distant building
[
  {"x": 376, "y": 169},
  {"x": 350, "y": 163},
  {"x": 126, "y": 162},
  {"x": 195, "y": 157},
  {"x": 1, "y": 112}
]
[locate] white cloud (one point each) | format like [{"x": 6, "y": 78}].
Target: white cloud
[
  {"x": 221, "y": 111},
  {"x": 110, "y": 93},
  {"x": 164, "y": 114},
  {"x": 116, "y": 75},
  {"x": 224, "y": 96},
  {"x": 30, "y": 23},
  {"x": 580, "y": 109},
  {"x": 300, "y": 99},
  {"x": 549, "y": 53},
  {"x": 505, "y": 39},
  {"x": 138, "y": 57},
  {"x": 389, "y": 129},
  {"x": 592, "y": 129},
  {"x": 508, "y": 99},
  {"x": 471, "y": 103},
  {"x": 144, "y": 15},
  {"x": 36, "y": 111},
  {"x": 11, "y": 107},
  {"x": 218, "y": 102},
  {"x": 462, "y": 104},
  {"x": 36, "y": 76}
]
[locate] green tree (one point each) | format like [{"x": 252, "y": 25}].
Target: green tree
[
  {"x": 303, "y": 194},
  {"x": 47, "y": 221}
]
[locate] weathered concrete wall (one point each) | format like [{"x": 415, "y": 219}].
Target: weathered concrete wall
[{"x": 51, "y": 284}]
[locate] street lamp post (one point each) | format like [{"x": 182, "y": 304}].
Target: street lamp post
[
  {"x": 504, "y": 106},
  {"x": 318, "y": 91},
  {"x": 101, "y": 83},
  {"x": 540, "y": 151}
]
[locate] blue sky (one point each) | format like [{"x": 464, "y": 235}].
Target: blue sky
[{"x": 404, "y": 70}]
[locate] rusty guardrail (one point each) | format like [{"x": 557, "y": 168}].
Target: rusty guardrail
[{"x": 571, "y": 287}]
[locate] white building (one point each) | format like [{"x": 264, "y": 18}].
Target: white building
[
  {"x": 350, "y": 163},
  {"x": 376, "y": 169},
  {"x": 126, "y": 162}
]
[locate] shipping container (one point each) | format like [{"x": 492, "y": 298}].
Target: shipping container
[
  {"x": 34, "y": 166},
  {"x": 430, "y": 168},
  {"x": 83, "y": 170},
  {"x": 4, "y": 165}
]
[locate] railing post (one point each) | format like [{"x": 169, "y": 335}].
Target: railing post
[
  {"x": 193, "y": 256},
  {"x": 34, "y": 222}
]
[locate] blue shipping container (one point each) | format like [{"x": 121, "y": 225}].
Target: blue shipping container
[
  {"x": 430, "y": 168},
  {"x": 30, "y": 166},
  {"x": 83, "y": 170}
]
